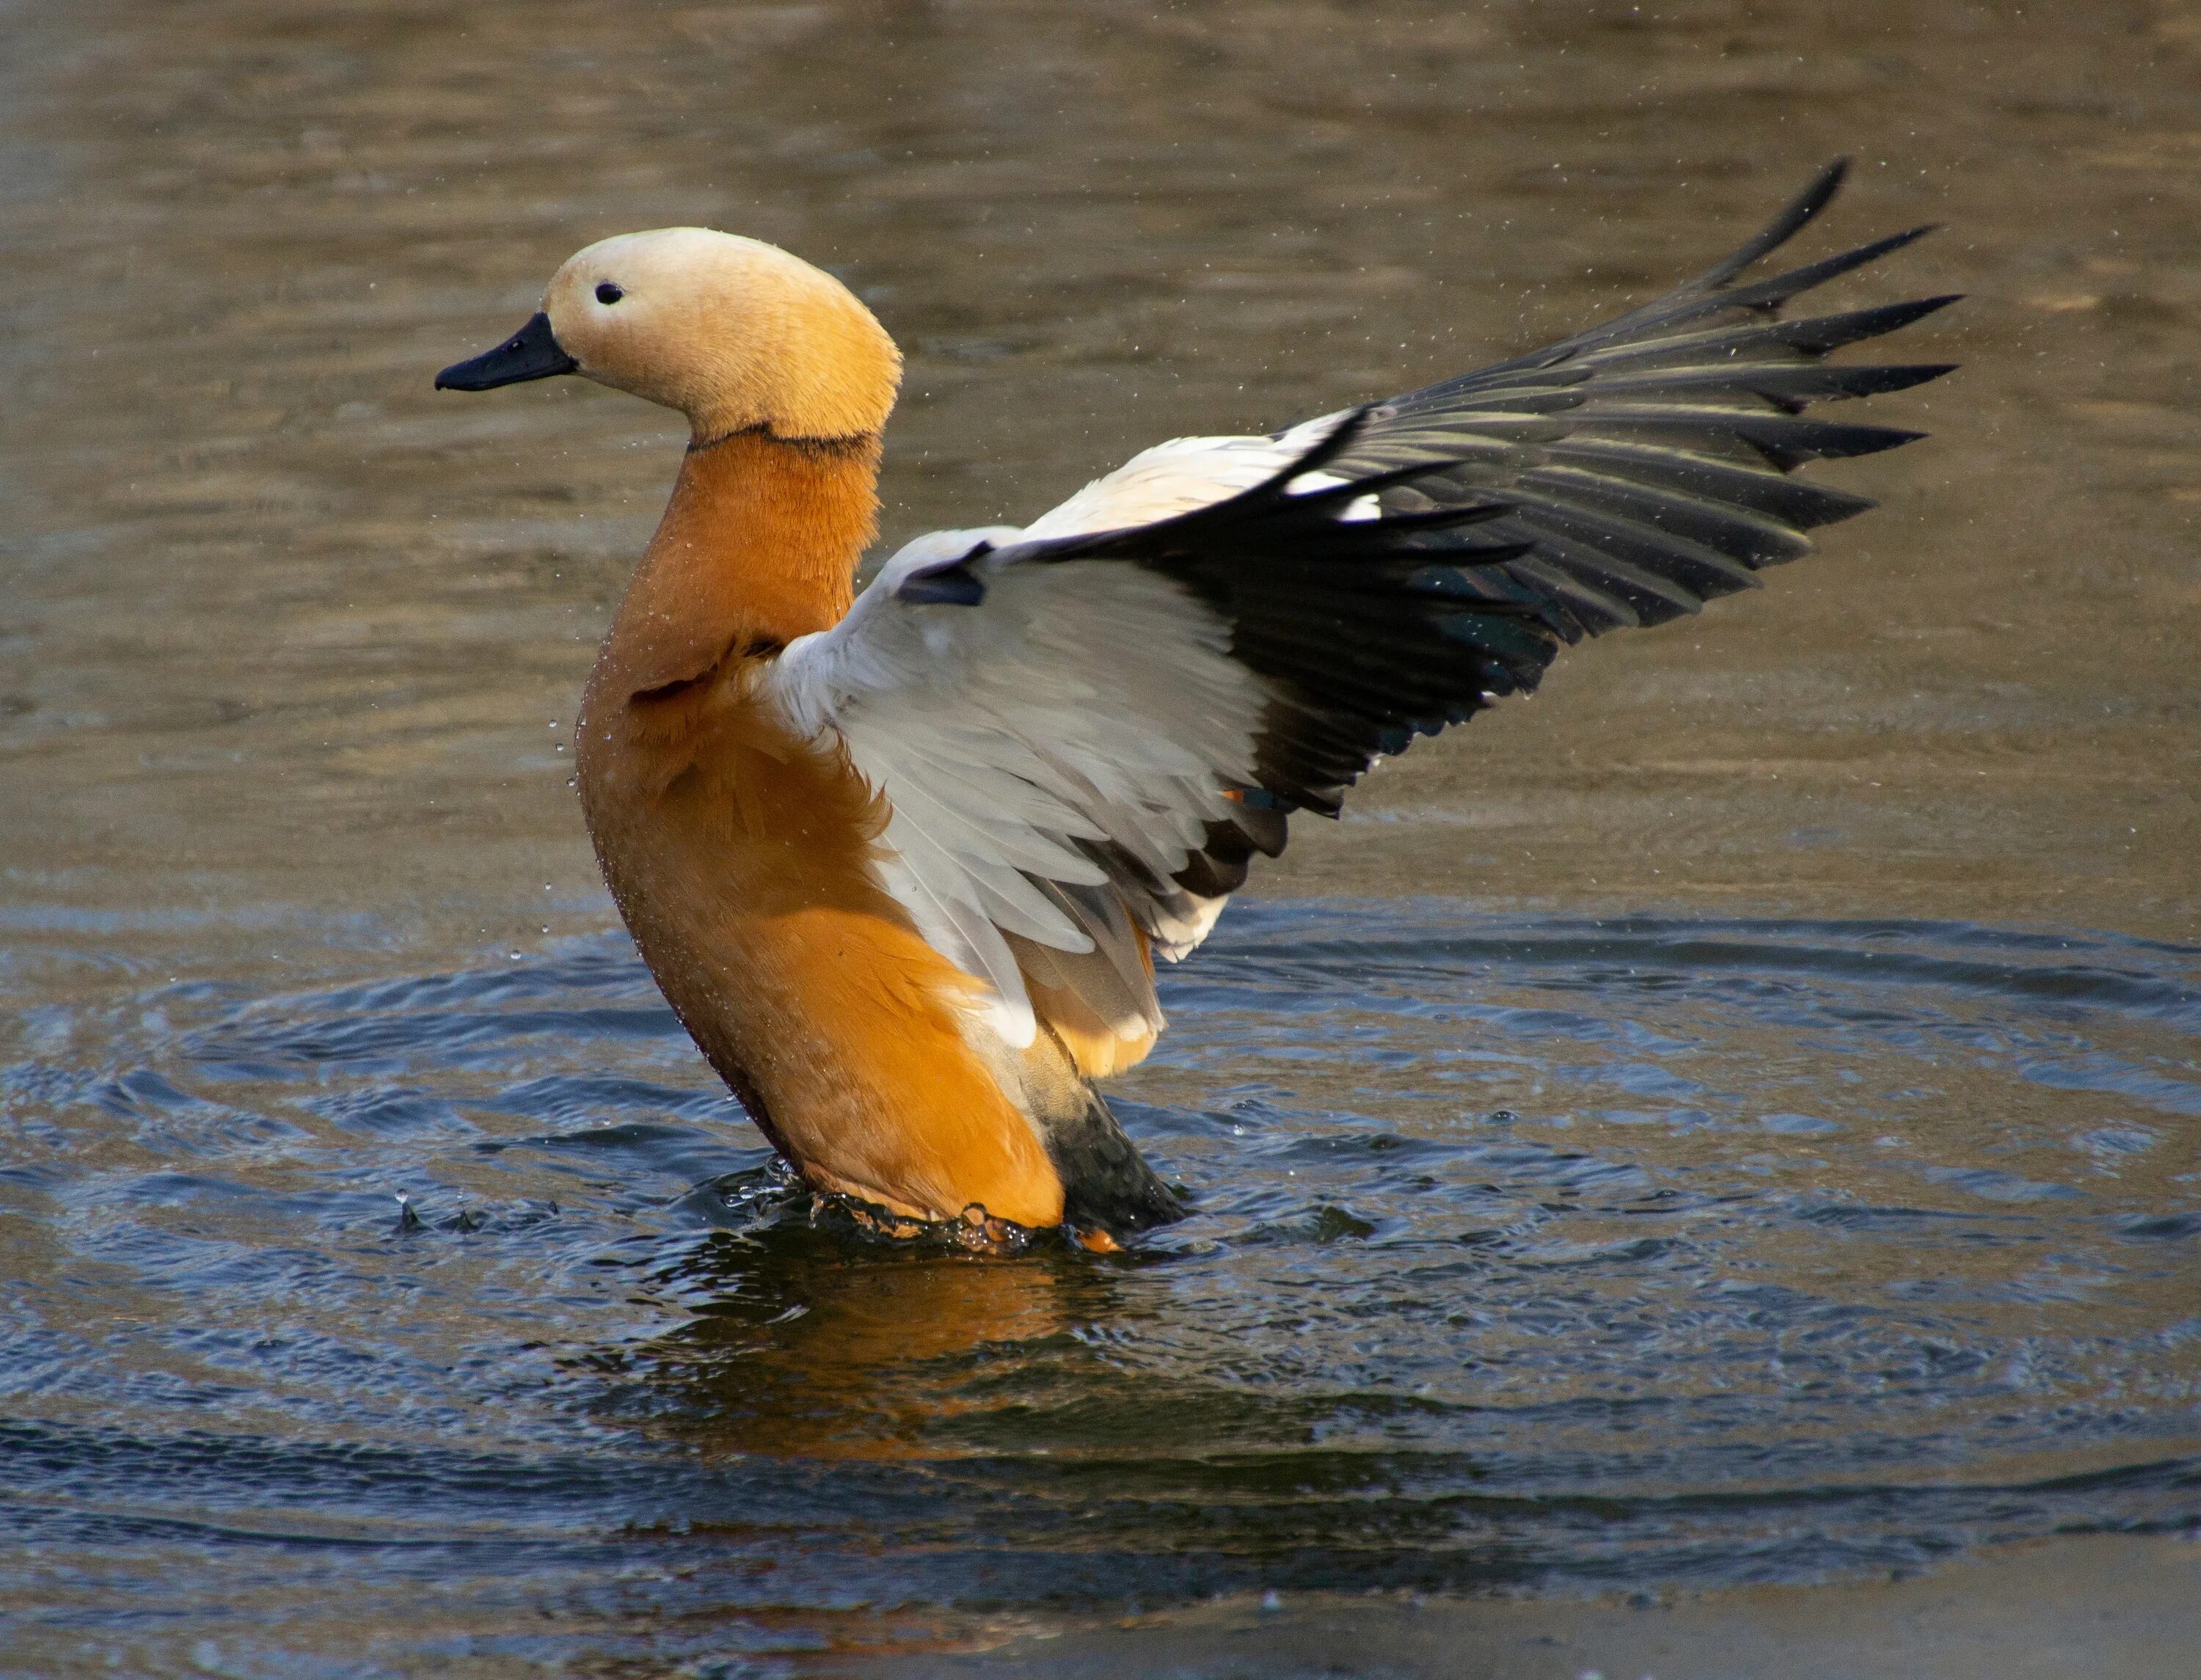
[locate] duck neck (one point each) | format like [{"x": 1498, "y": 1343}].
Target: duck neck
[{"x": 758, "y": 546}]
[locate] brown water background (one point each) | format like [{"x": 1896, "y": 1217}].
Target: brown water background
[{"x": 298, "y": 910}]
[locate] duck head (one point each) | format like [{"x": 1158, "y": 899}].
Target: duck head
[{"x": 736, "y": 334}]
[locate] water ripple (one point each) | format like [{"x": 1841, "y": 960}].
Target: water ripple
[{"x": 1525, "y": 1254}]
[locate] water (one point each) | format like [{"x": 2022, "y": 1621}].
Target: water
[
  {"x": 1733, "y": 1120},
  {"x": 1795, "y": 1249}
]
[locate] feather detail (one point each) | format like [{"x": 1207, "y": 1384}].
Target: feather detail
[{"x": 1087, "y": 728}]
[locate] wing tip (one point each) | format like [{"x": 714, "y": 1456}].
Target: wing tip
[{"x": 1798, "y": 214}]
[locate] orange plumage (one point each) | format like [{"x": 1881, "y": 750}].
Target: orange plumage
[{"x": 740, "y": 856}]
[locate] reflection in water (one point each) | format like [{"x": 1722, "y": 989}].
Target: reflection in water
[
  {"x": 812, "y": 1336},
  {"x": 1840, "y": 1212}
]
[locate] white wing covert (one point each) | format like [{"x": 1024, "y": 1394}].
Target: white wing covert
[{"x": 1052, "y": 762}]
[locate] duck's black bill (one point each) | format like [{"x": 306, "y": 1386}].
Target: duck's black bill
[{"x": 532, "y": 353}]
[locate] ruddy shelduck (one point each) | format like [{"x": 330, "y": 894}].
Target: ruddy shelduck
[{"x": 902, "y": 861}]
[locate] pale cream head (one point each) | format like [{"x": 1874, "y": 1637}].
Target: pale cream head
[{"x": 733, "y": 332}]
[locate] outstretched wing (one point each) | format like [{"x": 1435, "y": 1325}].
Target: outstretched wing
[
  {"x": 1648, "y": 459},
  {"x": 1087, "y": 728}
]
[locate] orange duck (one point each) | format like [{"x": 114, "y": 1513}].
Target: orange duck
[{"x": 902, "y": 861}]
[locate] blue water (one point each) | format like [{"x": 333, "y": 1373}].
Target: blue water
[{"x": 1529, "y": 1255}]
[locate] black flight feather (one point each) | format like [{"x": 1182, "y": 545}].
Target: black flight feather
[{"x": 1622, "y": 476}]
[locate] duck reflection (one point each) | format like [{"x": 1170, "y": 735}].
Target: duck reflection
[
  {"x": 814, "y": 1339},
  {"x": 999, "y": 1397}
]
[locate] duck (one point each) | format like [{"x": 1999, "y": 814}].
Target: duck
[{"x": 904, "y": 861}]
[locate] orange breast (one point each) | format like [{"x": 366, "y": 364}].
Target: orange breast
[
  {"x": 739, "y": 857},
  {"x": 744, "y": 879}
]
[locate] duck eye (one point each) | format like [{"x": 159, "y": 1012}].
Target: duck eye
[{"x": 609, "y": 293}]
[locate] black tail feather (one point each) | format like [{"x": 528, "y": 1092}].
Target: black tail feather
[{"x": 1106, "y": 1184}]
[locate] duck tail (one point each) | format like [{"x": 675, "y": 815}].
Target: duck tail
[{"x": 1106, "y": 1184}]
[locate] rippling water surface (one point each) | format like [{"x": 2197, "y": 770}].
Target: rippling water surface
[
  {"x": 1529, "y": 1252},
  {"x": 1737, "y": 1119}
]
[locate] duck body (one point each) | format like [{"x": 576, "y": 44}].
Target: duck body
[
  {"x": 902, "y": 863},
  {"x": 741, "y": 857}
]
